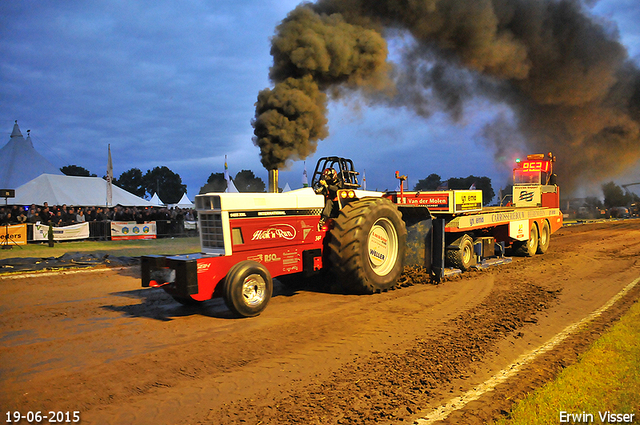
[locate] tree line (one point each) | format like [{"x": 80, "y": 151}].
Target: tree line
[
  {"x": 615, "y": 196},
  {"x": 245, "y": 181},
  {"x": 168, "y": 185},
  {"x": 435, "y": 182},
  {"x": 161, "y": 180}
]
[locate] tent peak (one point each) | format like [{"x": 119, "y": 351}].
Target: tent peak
[
  {"x": 21, "y": 162},
  {"x": 29, "y": 138},
  {"x": 16, "y": 131},
  {"x": 155, "y": 200}
]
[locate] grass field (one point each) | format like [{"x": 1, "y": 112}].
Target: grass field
[
  {"x": 605, "y": 379},
  {"x": 133, "y": 248}
]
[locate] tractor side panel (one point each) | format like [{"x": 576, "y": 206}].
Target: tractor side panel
[{"x": 284, "y": 244}]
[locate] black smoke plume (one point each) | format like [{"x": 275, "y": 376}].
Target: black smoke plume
[
  {"x": 566, "y": 76},
  {"x": 313, "y": 54}
]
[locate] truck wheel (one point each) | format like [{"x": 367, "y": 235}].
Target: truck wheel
[
  {"x": 462, "y": 258},
  {"x": 367, "y": 245},
  {"x": 529, "y": 247},
  {"x": 544, "y": 238},
  {"x": 187, "y": 301},
  {"x": 247, "y": 288}
]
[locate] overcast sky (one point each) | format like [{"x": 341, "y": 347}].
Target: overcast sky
[{"x": 174, "y": 83}]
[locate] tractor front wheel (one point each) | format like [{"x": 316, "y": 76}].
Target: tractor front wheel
[{"x": 248, "y": 288}]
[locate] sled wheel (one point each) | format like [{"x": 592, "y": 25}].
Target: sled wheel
[
  {"x": 544, "y": 238},
  {"x": 367, "y": 245},
  {"x": 529, "y": 247},
  {"x": 461, "y": 257},
  {"x": 247, "y": 288}
]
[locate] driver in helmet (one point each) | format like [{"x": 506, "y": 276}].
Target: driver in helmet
[{"x": 328, "y": 185}]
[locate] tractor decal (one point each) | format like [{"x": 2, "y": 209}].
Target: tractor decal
[
  {"x": 278, "y": 213},
  {"x": 526, "y": 196},
  {"x": 277, "y": 231}
]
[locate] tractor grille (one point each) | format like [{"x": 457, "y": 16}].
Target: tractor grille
[{"x": 211, "y": 230}]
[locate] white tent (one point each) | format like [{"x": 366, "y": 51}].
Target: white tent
[
  {"x": 155, "y": 200},
  {"x": 185, "y": 202},
  {"x": 231, "y": 188},
  {"x": 70, "y": 190},
  {"x": 21, "y": 162}
]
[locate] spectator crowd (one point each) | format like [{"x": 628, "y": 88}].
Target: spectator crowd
[{"x": 63, "y": 215}]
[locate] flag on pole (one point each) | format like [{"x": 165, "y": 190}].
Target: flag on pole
[
  {"x": 109, "y": 180},
  {"x": 231, "y": 188},
  {"x": 305, "y": 180}
]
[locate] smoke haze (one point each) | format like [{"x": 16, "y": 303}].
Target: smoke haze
[{"x": 565, "y": 76}]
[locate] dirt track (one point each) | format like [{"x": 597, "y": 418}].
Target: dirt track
[{"x": 97, "y": 343}]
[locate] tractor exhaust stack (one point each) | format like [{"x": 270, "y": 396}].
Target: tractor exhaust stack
[{"x": 273, "y": 181}]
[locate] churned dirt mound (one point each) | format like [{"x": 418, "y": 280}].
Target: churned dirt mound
[{"x": 392, "y": 385}]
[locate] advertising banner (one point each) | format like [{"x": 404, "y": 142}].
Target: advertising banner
[
  {"x": 468, "y": 200},
  {"x": 15, "y": 234},
  {"x": 125, "y": 230},
  {"x": 65, "y": 233},
  {"x": 435, "y": 201}
]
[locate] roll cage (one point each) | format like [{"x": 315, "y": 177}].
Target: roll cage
[{"x": 344, "y": 168}]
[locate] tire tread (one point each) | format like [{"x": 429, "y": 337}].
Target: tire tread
[{"x": 345, "y": 245}]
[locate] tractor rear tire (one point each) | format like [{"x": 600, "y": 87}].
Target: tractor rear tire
[
  {"x": 367, "y": 245},
  {"x": 544, "y": 238},
  {"x": 529, "y": 247},
  {"x": 248, "y": 288},
  {"x": 463, "y": 257}
]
